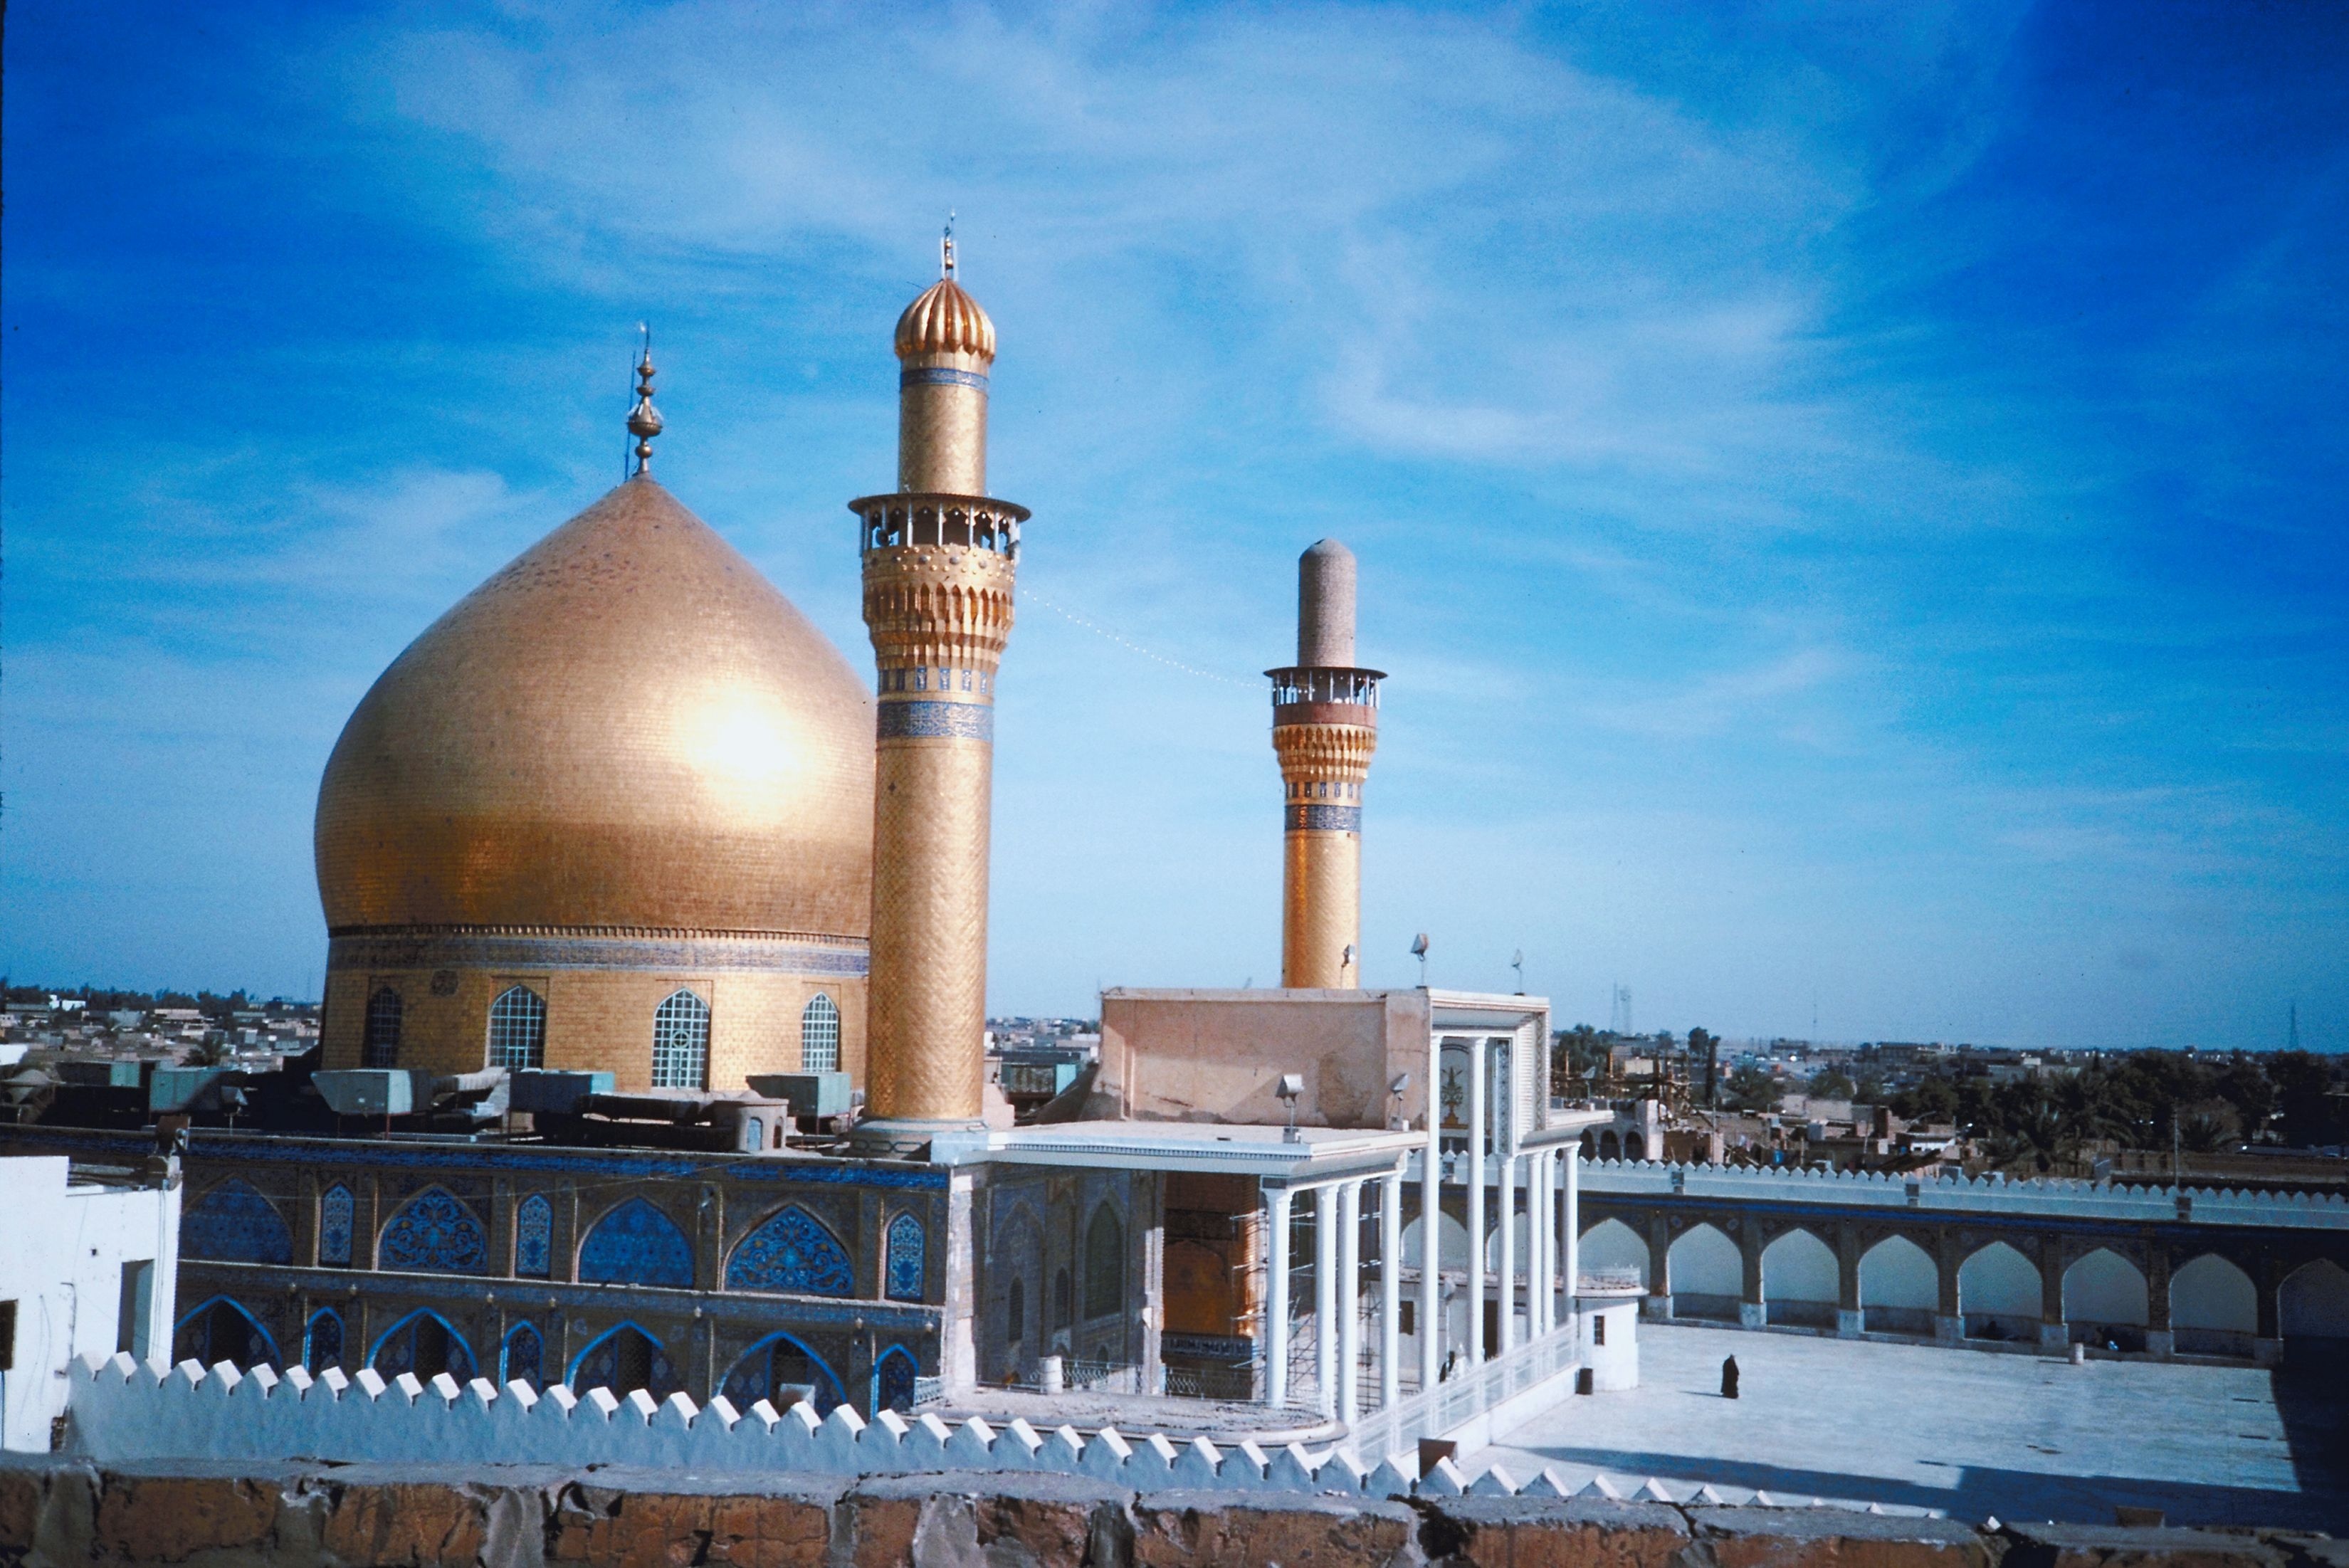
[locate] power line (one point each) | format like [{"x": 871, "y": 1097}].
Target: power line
[{"x": 1027, "y": 592}]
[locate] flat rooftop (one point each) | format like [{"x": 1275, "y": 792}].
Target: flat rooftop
[{"x": 1967, "y": 1433}]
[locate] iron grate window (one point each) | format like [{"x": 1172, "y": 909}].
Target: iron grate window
[
  {"x": 681, "y": 1042},
  {"x": 820, "y": 1035},
  {"x": 518, "y": 1028},
  {"x": 380, "y": 1048}
]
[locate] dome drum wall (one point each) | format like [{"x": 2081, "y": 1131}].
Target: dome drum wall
[{"x": 598, "y": 1019}]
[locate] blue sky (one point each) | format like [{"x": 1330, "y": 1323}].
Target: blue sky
[{"x": 1851, "y": 497}]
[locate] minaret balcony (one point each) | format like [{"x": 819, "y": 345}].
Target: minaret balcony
[
  {"x": 913, "y": 519},
  {"x": 1326, "y": 695}
]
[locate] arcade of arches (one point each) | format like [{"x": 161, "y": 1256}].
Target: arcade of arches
[{"x": 2227, "y": 1296}]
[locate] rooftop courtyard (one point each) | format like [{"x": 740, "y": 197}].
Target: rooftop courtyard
[{"x": 1968, "y": 1433}]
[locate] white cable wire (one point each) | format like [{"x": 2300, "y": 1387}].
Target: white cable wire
[{"x": 1027, "y": 592}]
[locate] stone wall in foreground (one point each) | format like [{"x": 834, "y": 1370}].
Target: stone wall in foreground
[{"x": 62, "y": 1513}]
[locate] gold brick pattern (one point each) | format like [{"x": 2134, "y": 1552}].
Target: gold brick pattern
[
  {"x": 1322, "y": 870},
  {"x": 939, "y": 614}
]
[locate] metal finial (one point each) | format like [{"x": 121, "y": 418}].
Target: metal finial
[
  {"x": 644, "y": 419},
  {"x": 945, "y": 248}
]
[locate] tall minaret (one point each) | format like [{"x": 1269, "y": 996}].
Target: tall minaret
[
  {"x": 1325, "y": 725},
  {"x": 938, "y": 559}
]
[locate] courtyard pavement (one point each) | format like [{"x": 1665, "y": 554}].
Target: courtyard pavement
[{"x": 1964, "y": 1432}]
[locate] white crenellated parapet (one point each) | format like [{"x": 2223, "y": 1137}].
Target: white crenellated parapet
[
  {"x": 2054, "y": 1196},
  {"x": 121, "y": 1410}
]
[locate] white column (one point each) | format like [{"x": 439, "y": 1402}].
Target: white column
[
  {"x": 1349, "y": 1301},
  {"x": 1390, "y": 1290},
  {"x": 1479, "y": 1130},
  {"x": 1431, "y": 1247},
  {"x": 1548, "y": 1239},
  {"x": 1571, "y": 1229},
  {"x": 1507, "y": 1200},
  {"x": 1536, "y": 1246},
  {"x": 1325, "y": 1299},
  {"x": 1275, "y": 1297}
]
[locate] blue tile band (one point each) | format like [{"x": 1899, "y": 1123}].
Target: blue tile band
[
  {"x": 518, "y": 950},
  {"x": 937, "y": 721},
  {"x": 1325, "y": 819},
  {"x": 941, "y": 377}
]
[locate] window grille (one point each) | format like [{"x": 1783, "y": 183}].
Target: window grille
[
  {"x": 681, "y": 1042},
  {"x": 820, "y": 1035},
  {"x": 518, "y": 1028},
  {"x": 380, "y": 1048},
  {"x": 1104, "y": 1264}
]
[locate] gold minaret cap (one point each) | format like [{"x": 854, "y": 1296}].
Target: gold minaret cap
[
  {"x": 945, "y": 319},
  {"x": 644, "y": 419}
]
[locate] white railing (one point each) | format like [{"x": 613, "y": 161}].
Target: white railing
[
  {"x": 121, "y": 1411},
  {"x": 2049, "y": 1195},
  {"x": 1464, "y": 1397}
]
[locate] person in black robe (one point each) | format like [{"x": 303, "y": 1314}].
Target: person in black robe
[{"x": 1729, "y": 1377}]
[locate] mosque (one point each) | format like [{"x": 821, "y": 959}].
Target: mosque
[{"x": 622, "y": 839}]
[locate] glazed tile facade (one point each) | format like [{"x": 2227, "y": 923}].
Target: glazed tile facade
[{"x": 620, "y": 1267}]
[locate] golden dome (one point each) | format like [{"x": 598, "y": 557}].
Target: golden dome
[
  {"x": 945, "y": 320},
  {"x": 625, "y": 728}
]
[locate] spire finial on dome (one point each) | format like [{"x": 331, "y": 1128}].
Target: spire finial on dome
[
  {"x": 945, "y": 248},
  {"x": 644, "y": 419}
]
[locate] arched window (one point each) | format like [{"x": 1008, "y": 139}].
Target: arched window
[
  {"x": 323, "y": 1343},
  {"x": 222, "y": 1330},
  {"x": 893, "y": 1380},
  {"x": 423, "y": 1343},
  {"x": 904, "y": 1278},
  {"x": 380, "y": 1045},
  {"x": 635, "y": 1244},
  {"x": 1104, "y": 1264},
  {"x": 792, "y": 1251},
  {"x": 681, "y": 1042},
  {"x": 518, "y": 1028},
  {"x": 534, "y": 1237},
  {"x": 435, "y": 1234},
  {"x": 820, "y": 1035},
  {"x": 781, "y": 1371},
  {"x": 624, "y": 1360},
  {"x": 1015, "y": 1313},
  {"x": 524, "y": 1356},
  {"x": 335, "y": 1227}
]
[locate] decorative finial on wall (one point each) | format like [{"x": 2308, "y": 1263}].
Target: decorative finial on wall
[
  {"x": 945, "y": 248},
  {"x": 644, "y": 419}
]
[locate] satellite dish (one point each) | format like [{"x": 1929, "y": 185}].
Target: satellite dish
[{"x": 1419, "y": 945}]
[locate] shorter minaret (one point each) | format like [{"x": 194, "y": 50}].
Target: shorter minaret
[{"x": 1325, "y": 725}]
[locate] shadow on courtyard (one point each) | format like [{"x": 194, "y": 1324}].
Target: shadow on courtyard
[
  {"x": 1979, "y": 1491},
  {"x": 2312, "y": 1399}
]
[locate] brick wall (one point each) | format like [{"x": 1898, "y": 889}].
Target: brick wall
[{"x": 56, "y": 1512}]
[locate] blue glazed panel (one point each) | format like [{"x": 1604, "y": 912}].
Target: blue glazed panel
[
  {"x": 334, "y": 1226},
  {"x": 904, "y": 1271},
  {"x": 233, "y": 1223},
  {"x": 792, "y": 1251},
  {"x": 535, "y": 1237},
  {"x": 434, "y": 1233},
  {"x": 937, "y": 721},
  {"x": 635, "y": 1244}
]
